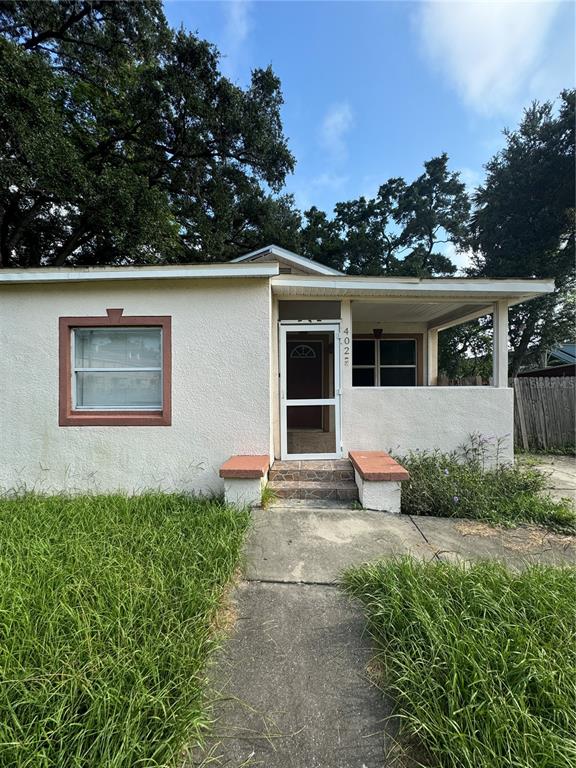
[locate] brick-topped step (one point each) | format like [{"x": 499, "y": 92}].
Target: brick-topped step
[
  {"x": 379, "y": 478},
  {"x": 339, "y": 490}
]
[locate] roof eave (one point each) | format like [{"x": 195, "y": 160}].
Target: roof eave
[{"x": 100, "y": 274}]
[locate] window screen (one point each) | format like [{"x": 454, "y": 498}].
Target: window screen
[{"x": 117, "y": 368}]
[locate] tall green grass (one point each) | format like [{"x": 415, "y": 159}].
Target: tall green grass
[
  {"x": 481, "y": 661},
  {"x": 107, "y": 606}
]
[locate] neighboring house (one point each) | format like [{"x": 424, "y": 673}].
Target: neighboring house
[
  {"x": 559, "y": 361},
  {"x": 138, "y": 377}
]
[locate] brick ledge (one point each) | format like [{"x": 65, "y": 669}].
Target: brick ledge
[
  {"x": 245, "y": 467},
  {"x": 377, "y": 466}
]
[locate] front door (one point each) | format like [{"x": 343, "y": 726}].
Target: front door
[{"x": 309, "y": 390}]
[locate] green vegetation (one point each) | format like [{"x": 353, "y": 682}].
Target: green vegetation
[
  {"x": 107, "y": 612},
  {"x": 557, "y": 450},
  {"x": 463, "y": 484},
  {"x": 481, "y": 661},
  {"x": 268, "y": 496}
]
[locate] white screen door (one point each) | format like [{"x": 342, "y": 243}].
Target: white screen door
[{"x": 310, "y": 390}]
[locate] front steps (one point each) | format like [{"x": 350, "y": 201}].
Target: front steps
[{"x": 328, "y": 480}]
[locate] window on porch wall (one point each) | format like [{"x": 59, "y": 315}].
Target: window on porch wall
[{"x": 384, "y": 362}]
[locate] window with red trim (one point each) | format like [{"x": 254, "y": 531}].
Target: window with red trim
[{"x": 115, "y": 370}]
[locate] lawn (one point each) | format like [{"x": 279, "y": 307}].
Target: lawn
[
  {"x": 481, "y": 661},
  {"x": 468, "y": 484},
  {"x": 107, "y": 611}
]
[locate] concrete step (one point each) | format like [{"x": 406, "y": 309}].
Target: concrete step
[
  {"x": 341, "y": 490},
  {"x": 325, "y": 475},
  {"x": 324, "y": 471}
]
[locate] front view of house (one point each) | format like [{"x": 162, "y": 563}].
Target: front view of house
[{"x": 151, "y": 377}]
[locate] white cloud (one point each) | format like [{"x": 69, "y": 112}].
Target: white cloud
[
  {"x": 313, "y": 191},
  {"x": 238, "y": 25},
  {"x": 462, "y": 259},
  {"x": 490, "y": 51},
  {"x": 336, "y": 124},
  {"x": 471, "y": 178}
]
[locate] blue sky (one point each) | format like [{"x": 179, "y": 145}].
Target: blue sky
[{"x": 373, "y": 89}]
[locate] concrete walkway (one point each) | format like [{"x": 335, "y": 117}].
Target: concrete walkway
[
  {"x": 293, "y": 681},
  {"x": 560, "y": 472}
]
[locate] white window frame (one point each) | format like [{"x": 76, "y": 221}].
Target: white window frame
[
  {"x": 115, "y": 408},
  {"x": 377, "y": 364}
]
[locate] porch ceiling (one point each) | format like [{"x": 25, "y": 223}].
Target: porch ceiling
[{"x": 411, "y": 312}]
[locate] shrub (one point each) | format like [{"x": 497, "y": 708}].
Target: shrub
[{"x": 474, "y": 483}]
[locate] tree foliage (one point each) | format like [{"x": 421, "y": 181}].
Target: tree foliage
[
  {"x": 404, "y": 230},
  {"x": 122, "y": 143},
  {"x": 523, "y": 224}
]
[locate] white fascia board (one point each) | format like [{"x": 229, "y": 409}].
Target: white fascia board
[
  {"x": 282, "y": 253},
  {"x": 63, "y": 275},
  {"x": 516, "y": 290}
]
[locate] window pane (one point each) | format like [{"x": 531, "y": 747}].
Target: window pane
[
  {"x": 362, "y": 377},
  {"x": 126, "y": 389},
  {"x": 363, "y": 352},
  {"x": 398, "y": 352},
  {"x": 118, "y": 348},
  {"x": 397, "y": 377}
]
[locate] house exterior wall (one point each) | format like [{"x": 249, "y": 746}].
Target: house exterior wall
[
  {"x": 220, "y": 387},
  {"x": 401, "y": 419}
]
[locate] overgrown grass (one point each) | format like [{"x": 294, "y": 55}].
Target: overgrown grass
[
  {"x": 107, "y": 606},
  {"x": 471, "y": 484},
  {"x": 481, "y": 661},
  {"x": 557, "y": 450}
]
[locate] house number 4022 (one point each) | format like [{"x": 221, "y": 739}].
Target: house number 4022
[{"x": 346, "y": 346}]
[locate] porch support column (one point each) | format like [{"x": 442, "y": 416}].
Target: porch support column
[
  {"x": 346, "y": 343},
  {"x": 432, "y": 356},
  {"x": 500, "y": 345}
]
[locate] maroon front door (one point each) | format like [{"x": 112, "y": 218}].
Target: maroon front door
[{"x": 304, "y": 380}]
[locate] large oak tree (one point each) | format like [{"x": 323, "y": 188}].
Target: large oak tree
[
  {"x": 404, "y": 230},
  {"x": 524, "y": 225},
  {"x": 121, "y": 142}
]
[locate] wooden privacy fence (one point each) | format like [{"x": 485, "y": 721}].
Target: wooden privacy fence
[{"x": 545, "y": 412}]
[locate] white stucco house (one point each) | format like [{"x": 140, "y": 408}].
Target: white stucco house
[{"x": 139, "y": 377}]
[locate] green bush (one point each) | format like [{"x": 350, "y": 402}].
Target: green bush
[
  {"x": 481, "y": 661},
  {"x": 474, "y": 483},
  {"x": 107, "y": 606}
]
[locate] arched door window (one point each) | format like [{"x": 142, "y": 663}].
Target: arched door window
[{"x": 302, "y": 351}]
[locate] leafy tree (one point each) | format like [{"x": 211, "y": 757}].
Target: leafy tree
[
  {"x": 402, "y": 231},
  {"x": 122, "y": 143},
  {"x": 523, "y": 224},
  {"x": 320, "y": 239}
]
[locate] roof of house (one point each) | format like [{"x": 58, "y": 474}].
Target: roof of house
[
  {"x": 290, "y": 259},
  {"x": 566, "y": 353},
  {"x": 293, "y": 276}
]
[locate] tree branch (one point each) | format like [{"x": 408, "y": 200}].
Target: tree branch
[{"x": 57, "y": 34}]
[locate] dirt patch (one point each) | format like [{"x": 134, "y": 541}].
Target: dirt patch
[
  {"x": 522, "y": 539},
  {"x": 227, "y": 614}
]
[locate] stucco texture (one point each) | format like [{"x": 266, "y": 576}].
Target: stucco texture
[
  {"x": 426, "y": 418},
  {"x": 220, "y": 387}
]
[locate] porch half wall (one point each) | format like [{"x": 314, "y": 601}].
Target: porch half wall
[{"x": 426, "y": 418}]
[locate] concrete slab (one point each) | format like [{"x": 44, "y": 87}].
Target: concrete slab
[
  {"x": 292, "y": 684},
  {"x": 316, "y": 545},
  {"x": 560, "y": 472},
  {"x": 452, "y": 538}
]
